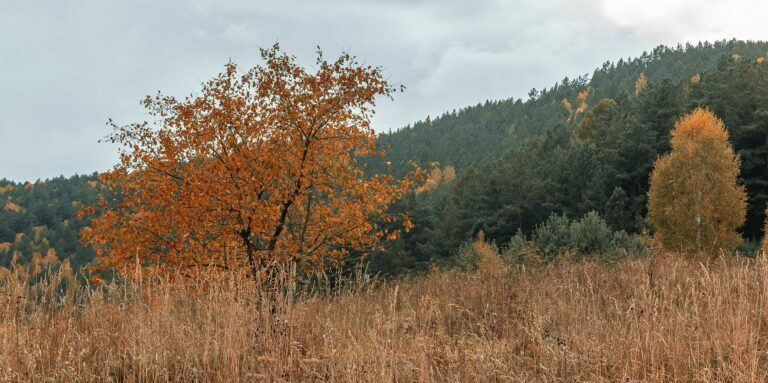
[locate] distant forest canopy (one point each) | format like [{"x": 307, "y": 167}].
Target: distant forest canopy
[
  {"x": 39, "y": 219},
  {"x": 484, "y": 132},
  {"x": 585, "y": 144}
]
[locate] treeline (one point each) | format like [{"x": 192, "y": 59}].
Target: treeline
[{"x": 591, "y": 151}]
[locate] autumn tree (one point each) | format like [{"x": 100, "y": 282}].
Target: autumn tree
[
  {"x": 437, "y": 177},
  {"x": 449, "y": 174},
  {"x": 261, "y": 167},
  {"x": 640, "y": 83},
  {"x": 694, "y": 201},
  {"x": 582, "y": 100}
]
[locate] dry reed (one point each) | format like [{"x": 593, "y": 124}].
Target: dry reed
[{"x": 692, "y": 321}]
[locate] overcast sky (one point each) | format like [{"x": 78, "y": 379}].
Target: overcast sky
[{"x": 68, "y": 66}]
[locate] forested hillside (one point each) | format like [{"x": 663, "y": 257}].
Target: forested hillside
[
  {"x": 505, "y": 167},
  {"x": 484, "y": 132},
  {"x": 583, "y": 145},
  {"x": 38, "y": 220}
]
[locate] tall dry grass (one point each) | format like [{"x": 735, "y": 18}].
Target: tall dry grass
[{"x": 669, "y": 319}]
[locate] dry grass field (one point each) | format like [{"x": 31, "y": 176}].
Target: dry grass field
[{"x": 665, "y": 318}]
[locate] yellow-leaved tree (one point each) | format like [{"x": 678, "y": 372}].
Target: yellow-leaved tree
[
  {"x": 694, "y": 202},
  {"x": 641, "y": 83}
]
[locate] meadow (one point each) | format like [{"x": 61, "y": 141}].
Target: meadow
[{"x": 663, "y": 317}]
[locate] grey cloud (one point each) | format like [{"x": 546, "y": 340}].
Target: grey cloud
[{"x": 67, "y": 67}]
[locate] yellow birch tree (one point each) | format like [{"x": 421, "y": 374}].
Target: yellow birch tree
[{"x": 694, "y": 202}]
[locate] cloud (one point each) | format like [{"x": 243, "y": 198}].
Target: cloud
[
  {"x": 68, "y": 67},
  {"x": 671, "y": 22}
]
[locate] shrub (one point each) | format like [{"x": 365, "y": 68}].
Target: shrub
[
  {"x": 478, "y": 255},
  {"x": 552, "y": 236},
  {"x": 749, "y": 248},
  {"x": 465, "y": 258},
  {"x": 591, "y": 235},
  {"x": 588, "y": 236},
  {"x": 517, "y": 249},
  {"x": 629, "y": 244}
]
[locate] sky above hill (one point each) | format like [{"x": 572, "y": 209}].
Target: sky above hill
[{"x": 68, "y": 66}]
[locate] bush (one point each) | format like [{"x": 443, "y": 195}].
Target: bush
[
  {"x": 551, "y": 237},
  {"x": 466, "y": 257},
  {"x": 748, "y": 248},
  {"x": 630, "y": 245},
  {"x": 591, "y": 235},
  {"x": 478, "y": 255},
  {"x": 517, "y": 249},
  {"x": 588, "y": 236}
]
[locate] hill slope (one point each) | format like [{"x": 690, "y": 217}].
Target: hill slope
[
  {"x": 583, "y": 145},
  {"x": 484, "y": 132}
]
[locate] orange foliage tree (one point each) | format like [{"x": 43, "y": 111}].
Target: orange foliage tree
[
  {"x": 694, "y": 202},
  {"x": 582, "y": 98},
  {"x": 259, "y": 168},
  {"x": 437, "y": 177}
]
